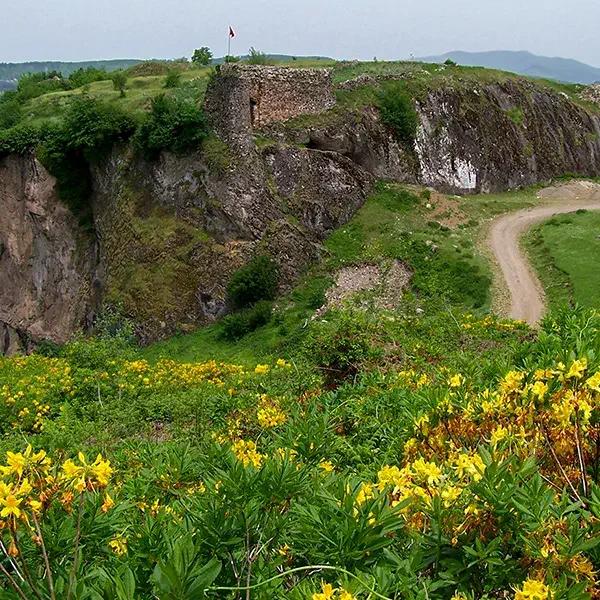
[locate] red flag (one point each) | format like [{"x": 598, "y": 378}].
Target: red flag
[{"x": 231, "y": 32}]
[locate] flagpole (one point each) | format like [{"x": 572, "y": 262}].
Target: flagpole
[{"x": 229, "y": 42}]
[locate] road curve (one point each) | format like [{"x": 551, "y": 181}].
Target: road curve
[{"x": 524, "y": 288}]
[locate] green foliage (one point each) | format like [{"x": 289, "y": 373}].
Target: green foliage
[
  {"x": 256, "y": 57},
  {"x": 82, "y": 76},
  {"x": 341, "y": 345},
  {"x": 173, "y": 79},
  {"x": 398, "y": 112},
  {"x": 202, "y": 56},
  {"x": 175, "y": 125},
  {"x": 449, "y": 62},
  {"x": 516, "y": 115},
  {"x": 119, "y": 79},
  {"x": 258, "y": 280},
  {"x": 216, "y": 154},
  {"x": 239, "y": 324},
  {"x": 231, "y": 59},
  {"x": 87, "y": 133}
]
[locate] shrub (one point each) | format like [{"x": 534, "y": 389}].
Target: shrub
[
  {"x": 231, "y": 59},
  {"x": 449, "y": 62},
  {"x": 175, "y": 125},
  {"x": 20, "y": 139},
  {"x": 340, "y": 345},
  {"x": 173, "y": 79},
  {"x": 119, "y": 79},
  {"x": 237, "y": 325},
  {"x": 255, "y": 281},
  {"x": 256, "y": 57},
  {"x": 398, "y": 113},
  {"x": 82, "y": 77}
]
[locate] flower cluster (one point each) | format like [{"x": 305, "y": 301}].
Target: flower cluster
[
  {"x": 269, "y": 413},
  {"x": 245, "y": 451},
  {"x": 328, "y": 592}
]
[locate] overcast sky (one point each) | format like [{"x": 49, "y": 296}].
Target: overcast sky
[{"x": 362, "y": 29}]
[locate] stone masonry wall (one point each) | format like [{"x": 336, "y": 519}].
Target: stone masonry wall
[{"x": 246, "y": 97}]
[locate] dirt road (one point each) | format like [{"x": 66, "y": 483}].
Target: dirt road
[{"x": 526, "y": 296}]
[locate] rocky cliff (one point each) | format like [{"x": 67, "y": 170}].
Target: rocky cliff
[{"x": 168, "y": 234}]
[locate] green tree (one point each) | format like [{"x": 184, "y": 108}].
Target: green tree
[
  {"x": 202, "y": 56},
  {"x": 119, "y": 80}
]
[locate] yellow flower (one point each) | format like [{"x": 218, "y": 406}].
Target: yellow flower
[
  {"x": 326, "y": 465},
  {"x": 427, "y": 470},
  {"x": 327, "y": 592},
  {"x": 365, "y": 493},
  {"x": 539, "y": 389},
  {"x": 344, "y": 595},
  {"x": 261, "y": 369},
  {"x": 118, "y": 545},
  {"x": 102, "y": 470},
  {"x": 594, "y": 382},
  {"x": 499, "y": 434},
  {"x": 456, "y": 381},
  {"x": 470, "y": 465},
  {"x": 577, "y": 369},
  {"x": 11, "y": 506},
  {"x": 108, "y": 503},
  {"x": 533, "y": 589},
  {"x": 450, "y": 494},
  {"x": 16, "y": 463}
]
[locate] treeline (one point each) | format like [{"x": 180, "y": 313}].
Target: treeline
[{"x": 11, "y": 71}]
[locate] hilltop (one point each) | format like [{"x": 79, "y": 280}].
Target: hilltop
[{"x": 525, "y": 63}]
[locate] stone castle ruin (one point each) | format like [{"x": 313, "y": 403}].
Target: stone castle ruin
[{"x": 242, "y": 98}]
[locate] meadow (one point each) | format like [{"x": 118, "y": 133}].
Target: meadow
[
  {"x": 565, "y": 252},
  {"x": 424, "y": 451}
]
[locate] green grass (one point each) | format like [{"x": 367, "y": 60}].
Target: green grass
[
  {"x": 395, "y": 223},
  {"x": 565, "y": 251}
]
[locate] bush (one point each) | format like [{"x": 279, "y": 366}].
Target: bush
[
  {"x": 119, "y": 79},
  {"x": 237, "y": 325},
  {"x": 449, "y": 62},
  {"x": 398, "y": 113},
  {"x": 340, "y": 345},
  {"x": 256, "y": 57},
  {"x": 175, "y": 125},
  {"x": 20, "y": 139},
  {"x": 89, "y": 131},
  {"x": 83, "y": 77},
  {"x": 258, "y": 280},
  {"x": 173, "y": 79}
]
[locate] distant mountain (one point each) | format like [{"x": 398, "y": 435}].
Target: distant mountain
[
  {"x": 524, "y": 63},
  {"x": 10, "y": 72}
]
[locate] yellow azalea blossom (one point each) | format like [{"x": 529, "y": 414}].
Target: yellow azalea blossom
[
  {"x": 577, "y": 369},
  {"x": 594, "y": 382},
  {"x": 512, "y": 381},
  {"x": 261, "y": 369},
  {"x": 427, "y": 470},
  {"x": 102, "y": 470},
  {"x": 469, "y": 465},
  {"x": 450, "y": 494},
  {"x": 365, "y": 493},
  {"x": 108, "y": 503},
  {"x": 245, "y": 452},
  {"x": 458, "y": 596},
  {"x": 15, "y": 463},
  {"x": 539, "y": 389},
  {"x": 10, "y": 506},
  {"x": 499, "y": 434},
  {"x": 326, "y": 465},
  {"x": 345, "y": 595},
  {"x": 35, "y": 505},
  {"x": 327, "y": 592},
  {"x": 118, "y": 545},
  {"x": 456, "y": 381},
  {"x": 533, "y": 589}
]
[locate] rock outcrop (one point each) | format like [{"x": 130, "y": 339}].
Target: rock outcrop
[
  {"x": 167, "y": 235},
  {"x": 46, "y": 260},
  {"x": 502, "y": 136}
]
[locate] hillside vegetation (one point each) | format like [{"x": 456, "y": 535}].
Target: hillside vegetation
[{"x": 426, "y": 450}]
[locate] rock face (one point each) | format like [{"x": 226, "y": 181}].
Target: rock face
[
  {"x": 501, "y": 136},
  {"x": 167, "y": 235},
  {"x": 46, "y": 260}
]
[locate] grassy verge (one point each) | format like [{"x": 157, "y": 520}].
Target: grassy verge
[{"x": 565, "y": 252}]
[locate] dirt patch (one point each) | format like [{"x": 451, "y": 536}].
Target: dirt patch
[
  {"x": 446, "y": 211},
  {"x": 387, "y": 284}
]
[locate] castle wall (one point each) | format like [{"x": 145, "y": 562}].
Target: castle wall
[{"x": 245, "y": 97}]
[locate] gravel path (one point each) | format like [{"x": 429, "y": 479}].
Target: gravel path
[{"x": 523, "y": 286}]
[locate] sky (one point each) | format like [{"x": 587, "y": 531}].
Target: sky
[{"x": 72, "y": 30}]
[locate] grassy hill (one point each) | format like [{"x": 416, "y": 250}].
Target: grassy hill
[
  {"x": 425, "y": 450},
  {"x": 525, "y": 63}
]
